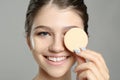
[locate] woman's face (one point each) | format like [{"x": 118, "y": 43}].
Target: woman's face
[{"x": 47, "y": 34}]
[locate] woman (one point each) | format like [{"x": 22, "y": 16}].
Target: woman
[{"x": 47, "y": 21}]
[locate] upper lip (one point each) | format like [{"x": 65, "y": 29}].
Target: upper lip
[{"x": 56, "y": 55}]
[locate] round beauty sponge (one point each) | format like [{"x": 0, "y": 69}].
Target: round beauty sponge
[{"x": 75, "y": 38}]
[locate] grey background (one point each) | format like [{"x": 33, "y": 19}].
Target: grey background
[{"x": 16, "y": 61}]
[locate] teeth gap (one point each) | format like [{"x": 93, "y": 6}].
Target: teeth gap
[
  {"x": 68, "y": 56},
  {"x": 45, "y": 56}
]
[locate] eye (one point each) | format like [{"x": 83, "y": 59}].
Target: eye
[{"x": 43, "y": 34}]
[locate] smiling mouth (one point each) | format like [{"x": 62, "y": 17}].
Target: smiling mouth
[{"x": 56, "y": 59}]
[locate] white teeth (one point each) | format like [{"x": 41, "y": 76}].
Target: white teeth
[{"x": 56, "y": 59}]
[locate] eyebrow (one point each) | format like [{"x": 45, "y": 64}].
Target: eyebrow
[
  {"x": 42, "y": 26},
  {"x": 48, "y": 28},
  {"x": 69, "y": 27}
]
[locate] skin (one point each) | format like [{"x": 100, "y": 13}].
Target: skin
[{"x": 48, "y": 30}]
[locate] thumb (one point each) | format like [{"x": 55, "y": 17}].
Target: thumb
[{"x": 80, "y": 60}]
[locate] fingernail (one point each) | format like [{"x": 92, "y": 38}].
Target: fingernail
[
  {"x": 77, "y": 51},
  {"x": 83, "y": 49}
]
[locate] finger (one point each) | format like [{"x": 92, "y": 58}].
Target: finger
[
  {"x": 91, "y": 56},
  {"x": 87, "y": 75},
  {"x": 90, "y": 66},
  {"x": 80, "y": 60},
  {"x": 96, "y": 58},
  {"x": 101, "y": 63},
  {"x": 99, "y": 56}
]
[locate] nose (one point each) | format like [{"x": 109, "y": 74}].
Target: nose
[{"x": 57, "y": 45}]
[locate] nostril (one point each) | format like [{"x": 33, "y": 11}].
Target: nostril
[{"x": 56, "y": 47}]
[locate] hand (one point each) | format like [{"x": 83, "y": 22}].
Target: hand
[{"x": 91, "y": 66}]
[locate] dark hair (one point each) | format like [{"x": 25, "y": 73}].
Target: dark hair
[{"x": 35, "y": 5}]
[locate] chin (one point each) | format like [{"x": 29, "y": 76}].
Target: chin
[{"x": 58, "y": 73}]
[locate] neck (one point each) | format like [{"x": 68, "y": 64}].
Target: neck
[{"x": 42, "y": 75}]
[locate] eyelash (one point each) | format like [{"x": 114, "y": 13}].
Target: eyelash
[{"x": 43, "y": 33}]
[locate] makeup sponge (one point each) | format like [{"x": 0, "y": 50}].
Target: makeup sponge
[{"x": 75, "y": 39}]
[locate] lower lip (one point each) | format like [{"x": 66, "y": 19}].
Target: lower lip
[{"x": 56, "y": 63}]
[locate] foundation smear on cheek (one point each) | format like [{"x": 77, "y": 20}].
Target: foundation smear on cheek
[
  {"x": 75, "y": 39},
  {"x": 32, "y": 41}
]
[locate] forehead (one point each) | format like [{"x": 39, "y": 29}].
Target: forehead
[{"x": 51, "y": 15}]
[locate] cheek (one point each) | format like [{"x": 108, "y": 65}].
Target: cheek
[
  {"x": 41, "y": 44},
  {"x": 40, "y": 47}
]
